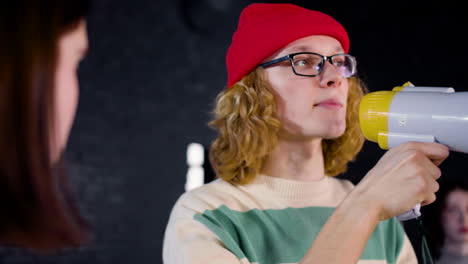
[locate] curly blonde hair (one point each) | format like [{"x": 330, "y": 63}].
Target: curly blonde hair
[{"x": 245, "y": 117}]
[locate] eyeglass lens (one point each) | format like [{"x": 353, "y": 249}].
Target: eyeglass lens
[{"x": 312, "y": 64}]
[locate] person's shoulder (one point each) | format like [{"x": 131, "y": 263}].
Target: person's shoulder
[
  {"x": 206, "y": 197},
  {"x": 216, "y": 189}
]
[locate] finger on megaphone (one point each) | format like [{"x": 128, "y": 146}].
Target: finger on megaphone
[{"x": 436, "y": 152}]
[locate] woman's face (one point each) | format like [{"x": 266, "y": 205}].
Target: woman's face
[
  {"x": 72, "y": 46},
  {"x": 455, "y": 217},
  {"x": 310, "y": 107}
]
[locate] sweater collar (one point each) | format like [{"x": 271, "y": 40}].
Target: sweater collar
[{"x": 292, "y": 189}]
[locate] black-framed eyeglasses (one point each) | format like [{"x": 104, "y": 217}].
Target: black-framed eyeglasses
[{"x": 311, "y": 64}]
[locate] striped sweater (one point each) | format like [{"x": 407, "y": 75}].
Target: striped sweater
[{"x": 270, "y": 220}]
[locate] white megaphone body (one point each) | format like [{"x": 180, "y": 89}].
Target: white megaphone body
[{"x": 412, "y": 113}]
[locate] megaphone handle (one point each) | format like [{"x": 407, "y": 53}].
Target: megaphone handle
[{"x": 411, "y": 214}]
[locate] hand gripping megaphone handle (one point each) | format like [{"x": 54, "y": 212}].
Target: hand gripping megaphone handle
[
  {"x": 398, "y": 139},
  {"x": 411, "y": 214},
  {"x": 410, "y": 113}
]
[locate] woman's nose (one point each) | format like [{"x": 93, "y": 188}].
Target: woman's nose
[{"x": 330, "y": 77}]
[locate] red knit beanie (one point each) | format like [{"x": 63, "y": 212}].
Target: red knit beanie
[{"x": 263, "y": 29}]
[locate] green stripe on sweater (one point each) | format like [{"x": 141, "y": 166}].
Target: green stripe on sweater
[{"x": 278, "y": 236}]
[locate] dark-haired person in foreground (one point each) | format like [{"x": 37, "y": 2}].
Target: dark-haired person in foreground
[{"x": 41, "y": 45}]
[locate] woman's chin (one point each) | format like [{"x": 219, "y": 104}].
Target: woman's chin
[{"x": 334, "y": 132}]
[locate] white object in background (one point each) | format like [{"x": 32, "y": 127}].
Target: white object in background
[
  {"x": 195, "y": 160},
  {"x": 195, "y": 154}
]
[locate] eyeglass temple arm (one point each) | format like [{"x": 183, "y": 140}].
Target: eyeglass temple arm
[{"x": 268, "y": 63}]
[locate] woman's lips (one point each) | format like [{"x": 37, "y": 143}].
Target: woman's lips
[{"x": 329, "y": 104}]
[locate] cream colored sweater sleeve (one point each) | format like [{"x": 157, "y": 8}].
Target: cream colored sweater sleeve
[{"x": 187, "y": 241}]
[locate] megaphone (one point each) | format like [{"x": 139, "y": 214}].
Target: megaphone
[
  {"x": 416, "y": 113},
  {"x": 412, "y": 113}
]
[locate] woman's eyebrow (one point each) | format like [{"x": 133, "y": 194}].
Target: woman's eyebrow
[
  {"x": 302, "y": 48},
  {"x": 299, "y": 48}
]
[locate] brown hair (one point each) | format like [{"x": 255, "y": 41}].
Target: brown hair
[
  {"x": 432, "y": 214},
  {"x": 36, "y": 207},
  {"x": 245, "y": 117}
]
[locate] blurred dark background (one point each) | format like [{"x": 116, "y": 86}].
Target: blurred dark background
[{"x": 148, "y": 86}]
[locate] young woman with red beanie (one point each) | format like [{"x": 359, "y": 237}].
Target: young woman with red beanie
[
  {"x": 288, "y": 123},
  {"x": 42, "y": 43}
]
